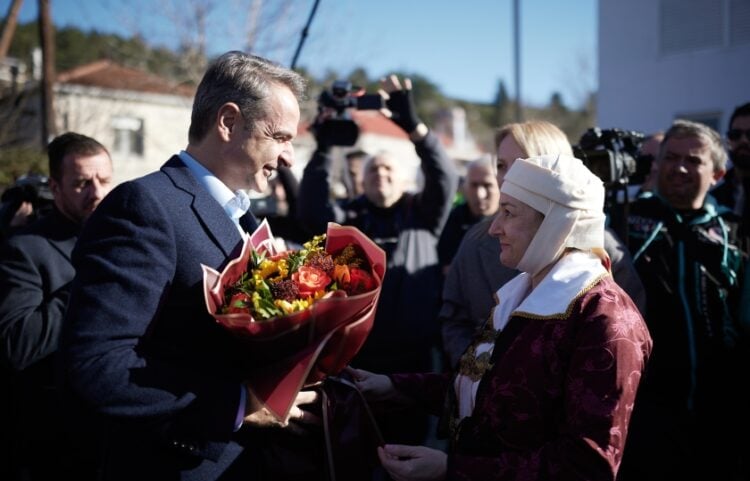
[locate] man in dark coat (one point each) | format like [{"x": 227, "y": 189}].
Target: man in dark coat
[
  {"x": 690, "y": 417},
  {"x": 35, "y": 276}
]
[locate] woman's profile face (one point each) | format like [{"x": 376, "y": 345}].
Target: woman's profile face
[{"x": 514, "y": 226}]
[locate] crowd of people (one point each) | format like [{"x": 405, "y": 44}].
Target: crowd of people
[{"x": 541, "y": 344}]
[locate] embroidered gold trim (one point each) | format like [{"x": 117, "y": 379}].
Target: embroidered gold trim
[
  {"x": 471, "y": 365},
  {"x": 569, "y": 310}
]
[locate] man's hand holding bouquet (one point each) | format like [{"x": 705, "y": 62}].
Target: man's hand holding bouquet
[{"x": 304, "y": 314}]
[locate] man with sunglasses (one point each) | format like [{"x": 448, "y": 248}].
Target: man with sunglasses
[{"x": 734, "y": 192}]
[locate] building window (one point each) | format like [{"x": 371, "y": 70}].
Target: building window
[
  {"x": 128, "y": 136},
  {"x": 688, "y": 25},
  {"x": 739, "y": 22}
]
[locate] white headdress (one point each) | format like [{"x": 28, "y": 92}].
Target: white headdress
[{"x": 571, "y": 199}]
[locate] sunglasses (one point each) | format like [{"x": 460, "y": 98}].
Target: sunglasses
[{"x": 735, "y": 134}]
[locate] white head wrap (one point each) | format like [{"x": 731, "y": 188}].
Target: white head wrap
[{"x": 571, "y": 199}]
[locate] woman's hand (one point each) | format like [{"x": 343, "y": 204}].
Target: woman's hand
[{"x": 413, "y": 463}]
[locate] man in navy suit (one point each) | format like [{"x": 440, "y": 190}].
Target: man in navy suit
[{"x": 140, "y": 351}]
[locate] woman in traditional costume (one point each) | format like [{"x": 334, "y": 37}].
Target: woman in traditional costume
[{"x": 546, "y": 389}]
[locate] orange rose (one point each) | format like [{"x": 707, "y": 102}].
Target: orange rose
[
  {"x": 361, "y": 281},
  {"x": 240, "y": 303},
  {"x": 341, "y": 275},
  {"x": 310, "y": 280}
]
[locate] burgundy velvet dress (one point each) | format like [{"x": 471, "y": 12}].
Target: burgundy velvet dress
[{"x": 554, "y": 395}]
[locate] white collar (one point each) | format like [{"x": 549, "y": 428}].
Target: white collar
[
  {"x": 571, "y": 276},
  {"x": 235, "y": 204}
]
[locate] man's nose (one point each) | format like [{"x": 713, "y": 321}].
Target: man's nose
[
  {"x": 98, "y": 190},
  {"x": 287, "y": 156}
]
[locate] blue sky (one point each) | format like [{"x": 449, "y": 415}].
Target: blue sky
[{"x": 464, "y": 47}]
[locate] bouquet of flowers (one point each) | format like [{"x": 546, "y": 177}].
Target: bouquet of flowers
[{"x": 304, "y": 314}]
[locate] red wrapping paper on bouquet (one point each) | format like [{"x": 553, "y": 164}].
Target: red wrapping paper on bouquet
[{"x": 303, "y": 347}]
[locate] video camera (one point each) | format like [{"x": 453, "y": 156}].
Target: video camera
[
  {"x": 613, "y": 155},
  {"x": 344, "y": 97}
]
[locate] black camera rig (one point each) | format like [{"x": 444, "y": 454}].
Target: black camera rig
[
  {"x": 342, "y": 98},
  {"x": 613, "y": 155}
]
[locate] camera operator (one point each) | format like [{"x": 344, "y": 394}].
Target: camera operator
[
  {"x": 407, "y": 226},
  {"x": 36, "y": 272}
]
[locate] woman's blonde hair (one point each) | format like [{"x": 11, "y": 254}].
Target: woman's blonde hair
[{"x": 535, "y": 138}]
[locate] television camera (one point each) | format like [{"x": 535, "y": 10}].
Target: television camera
[
  {"x": 613, "y": 155},
  {"x": 342, "y": 98}
]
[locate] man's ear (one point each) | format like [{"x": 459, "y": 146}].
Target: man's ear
[
  {"x": 228, "y": 119},
  {"x": 718, "y": 175},
  {"x": 54, "y": 187}
]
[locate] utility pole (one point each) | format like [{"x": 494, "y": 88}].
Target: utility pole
[
  {"x": 10, "y": 27},
  {"x": 47, "y": 37},
  {"x": 517, "y": 56}
]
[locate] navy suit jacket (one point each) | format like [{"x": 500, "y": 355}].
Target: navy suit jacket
[{"x": 139, "y": 348}]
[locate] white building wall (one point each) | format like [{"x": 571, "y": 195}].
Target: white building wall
[
  {"x": 643, "y": 89},
  {"x": 89, "y": 111}
]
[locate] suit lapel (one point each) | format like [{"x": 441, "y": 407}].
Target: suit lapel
[
  {"x": 64, "y": 246},
  {"x": 248, "y": 222},
  {"x": 219, "y": 227}
]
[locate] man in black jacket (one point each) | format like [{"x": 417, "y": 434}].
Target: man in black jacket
[
  {"x": 35, "y": 276},
  {"x": 406, "y": 225},
  {"x": 690, "y": 418}
]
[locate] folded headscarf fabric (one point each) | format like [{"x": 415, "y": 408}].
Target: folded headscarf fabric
[{"x": 570, "y": 197}]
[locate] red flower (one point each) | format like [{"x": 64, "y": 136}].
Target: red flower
[
  {"x": 310, "y": 280},
  {"x": 239, "y": 303},
  {"x": 360, "y": 281}
]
